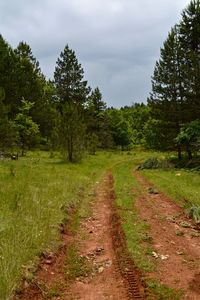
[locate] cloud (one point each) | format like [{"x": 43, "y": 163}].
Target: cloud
[{"x": 116, "y": 41}]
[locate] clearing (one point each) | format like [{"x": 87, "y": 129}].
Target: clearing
[{"x": 128, "y": 241}]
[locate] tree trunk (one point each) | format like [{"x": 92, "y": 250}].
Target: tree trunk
[
  {"x": 189, "y": 152},
  {"x": 179, "y": 152}
]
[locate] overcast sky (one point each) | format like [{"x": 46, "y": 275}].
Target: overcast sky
[{"x": 116, "y": 41}]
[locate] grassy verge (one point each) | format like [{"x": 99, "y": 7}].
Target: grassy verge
[
  {"x": 35, "y": 192},
  {"x": 137, "y": 231},
  {"x": 182, "y": 186}
]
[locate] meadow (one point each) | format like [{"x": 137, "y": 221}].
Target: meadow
[{"x": 37, "y": 190}]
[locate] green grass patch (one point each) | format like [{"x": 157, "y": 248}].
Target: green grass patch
[
  {"x": 139, "y": 240},
  {"x": 182, "y": 186},
  {"x": 161, "y": 291},
  {"x": 76, "y": 266},
  {"x": 136, "y": 231},
  {"x": 35, "y": 193}
]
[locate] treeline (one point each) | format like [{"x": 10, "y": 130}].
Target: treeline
[
  {"x": 63, "y": 114},
  {"x": 66, "y": 114}
]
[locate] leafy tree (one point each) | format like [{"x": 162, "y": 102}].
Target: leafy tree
[
  {"x": 157, "y": 134},
  {"x": 72, "y": 94},
  {"x": 120, "y": 128},
  {"x": 189, "y": 137},
  {"x": 26, "y": 128},
  {"x": 137, "y": 115}
]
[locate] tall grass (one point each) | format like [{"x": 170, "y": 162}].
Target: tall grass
[
  {"x": 182, "y": 186},
  {"x": 33, "y": 192}
]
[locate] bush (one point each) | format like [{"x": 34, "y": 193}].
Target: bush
[
  {"x": 150, "y": 163},
  {"x": 155, "y": 163}
]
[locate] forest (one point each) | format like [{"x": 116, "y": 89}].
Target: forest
[{"x": 99, "y": 202}]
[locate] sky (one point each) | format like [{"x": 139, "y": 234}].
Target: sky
[{"x": 117, "y": 42}]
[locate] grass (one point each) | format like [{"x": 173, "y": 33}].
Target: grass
[
  {"x": 161, "y": 291},
  {"x": 75, "y": 265},
  {"x": 182, "y": 186},
  {"x": 139, "y": 241},
  {"x": 136, "y": 231},
  {"x": 35, "y": 192}
]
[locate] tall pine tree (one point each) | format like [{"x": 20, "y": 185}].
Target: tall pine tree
[
  {"x": 72, "y": 93},
  {"x": 167, "y": 96},
  {"x": 189, "y": 32}
]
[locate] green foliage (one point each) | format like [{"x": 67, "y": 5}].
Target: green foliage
[
  {"x": 72, "y": 94},
  {"x": 97, "y": 126},
  {"x": 176, "y": 80},
  {"x": 189, "y": 137},
  {"x": 26, "y": 128},
  {"x": 72, "y": 133},
  {"x": 120, "y": 128},
  {"x": 155, "y": 163},
  {"x": 150, "y": 163},
  {"x": 8, "y": 134},
  {"x": 68, "y": 78},
  {"x": 92, "y": 143}
]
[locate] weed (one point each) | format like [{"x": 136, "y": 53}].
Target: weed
[
  {"x": 179, "y": 233},
  {"x": 194, "y": 213},
  {"x": 161, "y": 291},
  {"x": 54, "y": 291},
  {"x": 76, "y": 266},
  {"x": 150, "y": 163}
]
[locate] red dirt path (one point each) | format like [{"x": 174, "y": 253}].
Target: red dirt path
[
  {"x": 96, "y": 242},
  {"x": 181, "y": 246}
]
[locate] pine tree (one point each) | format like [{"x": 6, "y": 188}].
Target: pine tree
[
  {"x": 167, "y": 97},
  {"x": 72, "y": 94},
  {"x": 8, "y": 77},
  {"x": 31, "y": 82},
  {"x": 95, "y": 108},
  {"x": 189, "y": 29},
  {"x": 68, "y": 76}
]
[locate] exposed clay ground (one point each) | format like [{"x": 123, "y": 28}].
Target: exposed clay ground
[
  {"x": 175, "y": 237},
  {"x": 101, "y": 242}
]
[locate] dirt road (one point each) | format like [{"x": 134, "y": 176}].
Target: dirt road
[
  {"x": 174, "y": 239},
  {"x": 101, "y": 243},
  {"x": 110, "y": 272}
]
